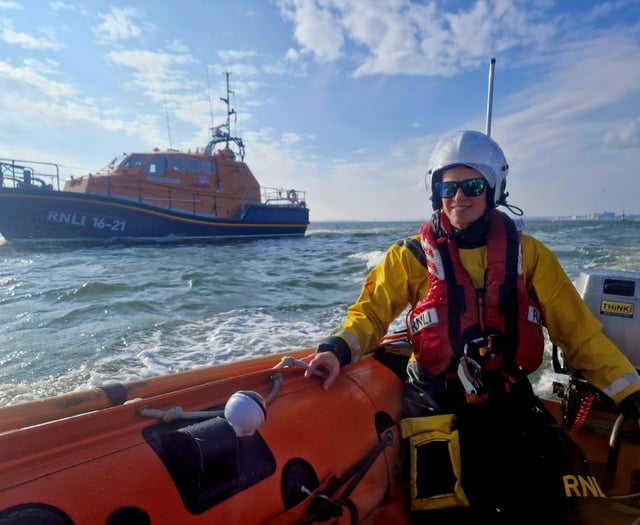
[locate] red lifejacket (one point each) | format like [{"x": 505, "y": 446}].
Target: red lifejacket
[{"x": 454, "y": 313}]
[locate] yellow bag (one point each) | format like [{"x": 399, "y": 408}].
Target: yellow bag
[{"x": 434, "y": 446}]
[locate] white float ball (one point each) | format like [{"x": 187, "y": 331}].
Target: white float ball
[{"x": 245, "y": 411}]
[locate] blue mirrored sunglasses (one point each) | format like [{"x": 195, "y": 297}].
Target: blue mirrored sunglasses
[{"x": 470, "y": 187}]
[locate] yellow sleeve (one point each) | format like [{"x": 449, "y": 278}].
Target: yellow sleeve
[
  {"x": 573, "y": 327},
  {"x": 396, "y": 282}
]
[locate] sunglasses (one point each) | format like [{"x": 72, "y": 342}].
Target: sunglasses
[{"x": 470, "y": 187}]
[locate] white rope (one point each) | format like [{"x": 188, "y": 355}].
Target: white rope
[
  {"x": 177, "y": 413},
  {"x": 290, "y": 362}
]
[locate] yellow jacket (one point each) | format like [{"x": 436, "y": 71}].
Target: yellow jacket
[{"x": 401, "y": 280}]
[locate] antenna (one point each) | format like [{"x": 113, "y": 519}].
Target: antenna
[
  {"x": 210, "y": 102},
  {"x": 230, "y": 110},
  {"x": 222, "y": 133},
  {"x": 166, "y": 113},
  {"x": 492, "y": 65}
]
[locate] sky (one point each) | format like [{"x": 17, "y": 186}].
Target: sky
[{"x": 341, "y": 99}]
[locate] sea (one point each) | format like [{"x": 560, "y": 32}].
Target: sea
[{"x": 74, "y": 316}]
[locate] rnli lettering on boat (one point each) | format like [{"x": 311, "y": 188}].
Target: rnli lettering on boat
[
  {"x": 66, "y": 218},
  {"x": 97, "y": 223},
  {"x": 581, "y": 486},
  {"x": 115, "y": 225},
  {"x": 616, "y": 308}
]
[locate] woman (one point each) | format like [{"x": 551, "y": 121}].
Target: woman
[{"x": 479, "y": 292}]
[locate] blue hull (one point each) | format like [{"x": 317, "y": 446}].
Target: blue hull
[{"x": 40, "y": 214}]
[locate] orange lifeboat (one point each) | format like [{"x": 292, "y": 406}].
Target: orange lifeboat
[{"x": 170, "y": 194}]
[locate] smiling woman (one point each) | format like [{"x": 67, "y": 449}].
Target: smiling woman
[{"x": 460, "y": 196}]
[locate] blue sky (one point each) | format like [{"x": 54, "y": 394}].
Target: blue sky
[{"x": 341, "y": 98}]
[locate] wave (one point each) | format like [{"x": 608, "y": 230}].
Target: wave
[{"x": 78, "y": 317}]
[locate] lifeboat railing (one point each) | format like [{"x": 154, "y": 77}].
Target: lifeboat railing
[
  {"x": 198, "y": 202},
  {"x": 15, "y": 173},
  {"x": 176, "y": 198},
  {"x": 284, "y": 197}
]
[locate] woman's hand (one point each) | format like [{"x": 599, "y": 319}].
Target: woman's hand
[{"x": 326, "y": 363}]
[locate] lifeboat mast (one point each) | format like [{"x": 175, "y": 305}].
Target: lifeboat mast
[{"x": 222, "y": 133}]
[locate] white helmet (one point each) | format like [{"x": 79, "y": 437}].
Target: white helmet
[{"x": 475, "y": 150}]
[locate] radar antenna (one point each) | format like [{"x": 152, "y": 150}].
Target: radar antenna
[{"x": 222, "y": 133}]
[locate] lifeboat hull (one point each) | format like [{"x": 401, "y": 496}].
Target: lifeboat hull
[{"x": 41, "y": 214}]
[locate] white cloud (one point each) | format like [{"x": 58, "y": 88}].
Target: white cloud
[
  {"x": 292, "y": 55},
  {"x": 67, "y": 6},
  {"x": 233, "y": 55},
  {"x": 118, "y": 26},
  {"x": 627, "y": 135},
  {"x": 26, "y": 40},
  {"x": 4, "y": 4},
  {"x": 316, "y": 28},
  {"x": 37, "y": 74},
  {"x": 155, "y": 71},
  {"x": 403, "y": 37}
]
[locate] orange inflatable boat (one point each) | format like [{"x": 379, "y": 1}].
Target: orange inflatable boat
[{"x": 166, "y": 452}]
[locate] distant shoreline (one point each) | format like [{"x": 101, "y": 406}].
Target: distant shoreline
[{"x": 604, "y": 216}]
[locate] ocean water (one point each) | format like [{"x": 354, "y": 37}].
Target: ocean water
[{"x": 73, "y": 316}]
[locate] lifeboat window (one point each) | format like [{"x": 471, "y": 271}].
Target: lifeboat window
[
  {"x": 193, "y": 166},
  {"x": 135, "y": 161},
  {"x": 207, "y": 167},
  {"x": 116, "y": 161},
  {"x": 176, "y": 164},
  {"x": 157, "y": 165}
]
